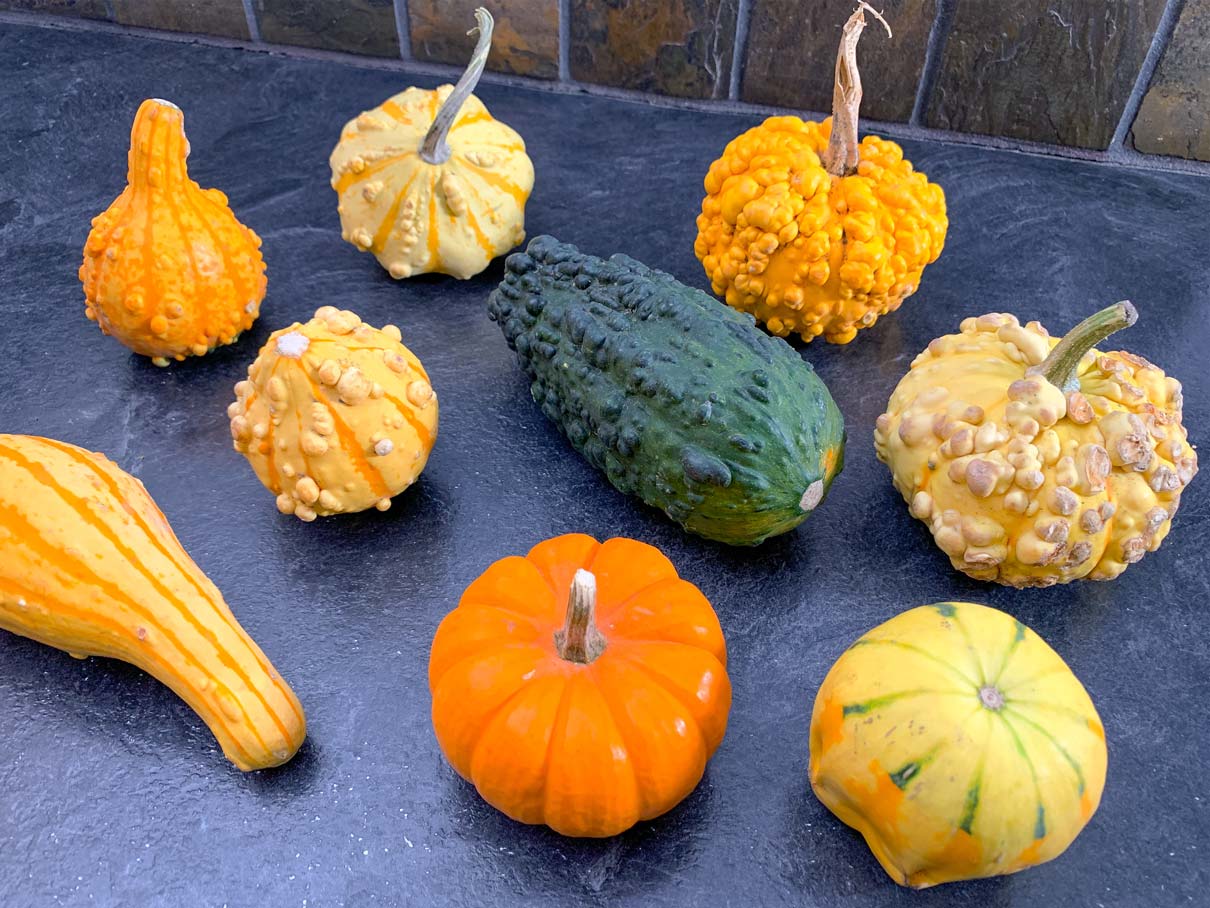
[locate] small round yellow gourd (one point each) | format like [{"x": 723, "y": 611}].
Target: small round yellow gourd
[
  {"x": 335, "y": 416},
  {"x": 958, "y": 743},
  {"x": 168, "y": 269},
  {"x": 428, "y": 181},
  {"x": 1036, "y": 461}
]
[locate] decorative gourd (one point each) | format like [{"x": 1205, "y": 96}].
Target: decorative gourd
[
  {"x": 583, "y": 686},
  {"x": 89, "y": 565},
  {"x": 678, "y": 399},
  {"x": 168, "y": 270},
  {"x": 958, "y": 744},
  {"x": 811, "y": 231},
  {"x": 1036, "y": 461},
  {"x": 428, "y": 181},
  {"x": 335, "y": 416}
]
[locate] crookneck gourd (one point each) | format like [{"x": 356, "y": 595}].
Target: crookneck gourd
[
  {"x": 1035, "y": 461},
  {"x": 429, "y": 181},
  {"x": 583, "y": 686},
  {"x": 958, "y": 743},
  {"x": 812, "y": 231},
  {"x": 89, "y": 564},
  {"x": 335, "y": 416},
  {"x": 168, "y": 270},
  {"x": 677, "y": 398}
]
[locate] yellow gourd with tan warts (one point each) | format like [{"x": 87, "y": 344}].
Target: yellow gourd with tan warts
[
  {"x": 89, "y": 565},
  {"x": 168, "y": 270},
  {"x": 428, "y": 181},
  {"x": 1036, "y": 461},
  {"x": 958, "y": 743},
  {"x": 335, "y": 416},
  {"x": 811, "y": 231}
]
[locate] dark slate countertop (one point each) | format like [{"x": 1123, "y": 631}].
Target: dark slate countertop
[{"x": 113, "y": 792}]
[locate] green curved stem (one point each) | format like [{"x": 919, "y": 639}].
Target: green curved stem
[
  {"x": 1060, "y": 367},
  {"x": 435, "y": 149}
]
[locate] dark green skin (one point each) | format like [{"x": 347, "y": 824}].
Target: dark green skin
[{"x": 680, "y": 399}]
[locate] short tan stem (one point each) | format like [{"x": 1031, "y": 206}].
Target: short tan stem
[
  {"x": 435, "y": 149},
  {"x": 580, "y": 640},
  {"x": 840, "y": 157},
  {"x": 1059, "y": 368}
]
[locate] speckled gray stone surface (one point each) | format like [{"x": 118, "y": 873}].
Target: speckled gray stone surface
[{"x": 113, "y": 793}]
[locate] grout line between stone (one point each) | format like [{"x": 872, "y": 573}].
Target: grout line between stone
[
  {"x": 564, "y": 40},
  {"x": 403, "y": 29},
  {"x": 1159, "y": 43},
  {"x": 1124, "y": 157},
  {"x": 253, "y": 22},
  {"x": 933, "y": 51},
  {"x": 743, "y": 16}
]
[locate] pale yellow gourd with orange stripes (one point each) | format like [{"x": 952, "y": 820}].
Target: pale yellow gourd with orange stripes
[
  {"x": 335, "y": 416},
  {"x": 89, "y": 564},
  {"x": 429, "y": 181}
]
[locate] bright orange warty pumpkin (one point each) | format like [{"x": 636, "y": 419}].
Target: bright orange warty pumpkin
[{"x": 583, "y": 686}]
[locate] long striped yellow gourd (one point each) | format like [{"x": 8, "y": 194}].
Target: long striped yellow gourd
[{"x": 89, "y": 564}]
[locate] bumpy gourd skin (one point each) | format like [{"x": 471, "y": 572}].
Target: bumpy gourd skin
[
  {"x": 417, "y": 217},
  {"x": 807, "y": 252},
  {"x": 335, "y": 416},
  {"x": 958, "y": 743},
  {"x": 1021, "y": 483},
  {"x": 168, "y": 270},
  {"x": 678, "y": 399}
]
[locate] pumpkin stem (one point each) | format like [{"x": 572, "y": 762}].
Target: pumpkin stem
[
  {"x": 991, "y": 698},
  {"x": 158, "y": 146},
  {"x": 435, "y": 149},
  {"x": 580, "y": 640},
  {"x": 840, "y": 157},
  {"x": 1059, "y": 368}
]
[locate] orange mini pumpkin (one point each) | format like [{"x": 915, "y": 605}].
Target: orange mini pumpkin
[
  {"x": 583, "y": 686},
  {"x": 168, "y": 269}
]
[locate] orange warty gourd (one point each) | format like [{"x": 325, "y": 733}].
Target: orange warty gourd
[
  {"x": 428, "y": 181},
  {"x": 89, "y": 564},
  {"x": 168, "y": 270},
  {"x": 583, "y": 686},
  {"x": 809, "y": 230},
  {"x": 335, "y": 416}
]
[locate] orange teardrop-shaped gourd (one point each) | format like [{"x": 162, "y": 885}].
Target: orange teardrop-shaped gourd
[
  {"x": 88, "y": 564},
  {"x": 168, "y": 270},
  {"x": 583, "y": 686}
]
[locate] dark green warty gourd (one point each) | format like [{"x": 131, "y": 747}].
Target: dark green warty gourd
[{"x": 679, "y": 398}]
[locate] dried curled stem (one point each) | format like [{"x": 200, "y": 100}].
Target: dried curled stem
[
  {"x": 840, "y": 158},
  {"x": 435, "y": 149}
]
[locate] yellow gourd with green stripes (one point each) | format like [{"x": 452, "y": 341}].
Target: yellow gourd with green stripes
[
  {"x": 89, "y": 564},
  {"x": 958, "y": 743}
]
